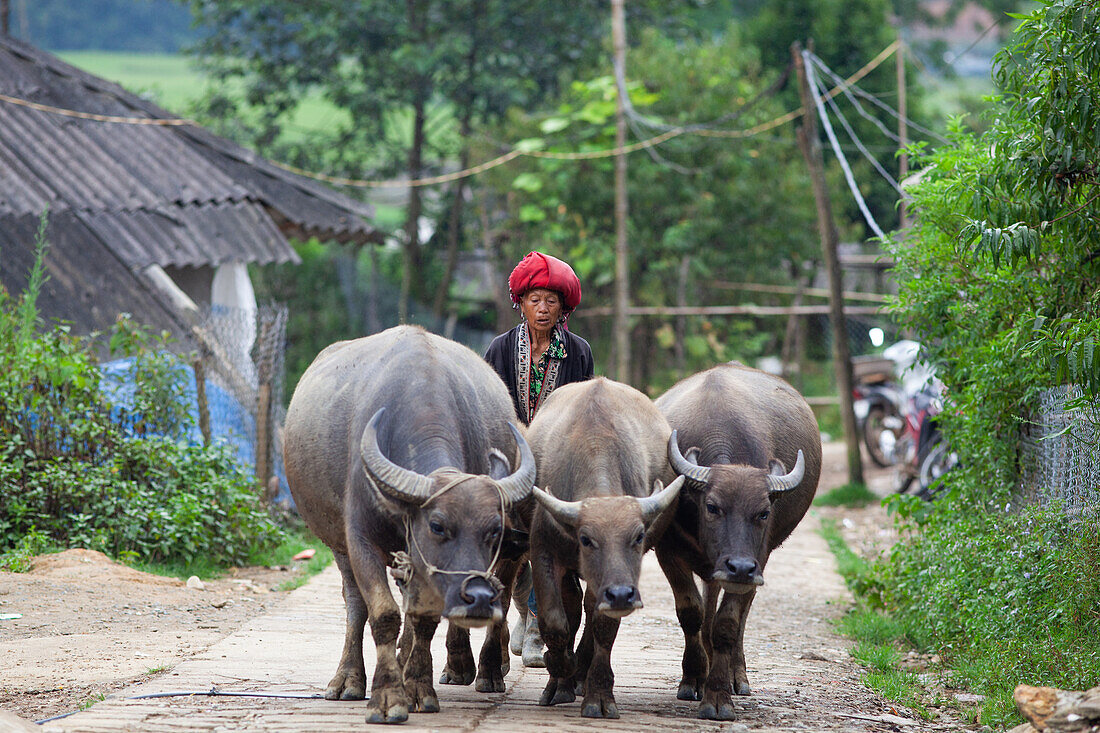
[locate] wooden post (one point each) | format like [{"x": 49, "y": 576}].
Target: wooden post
[
  {"x": 842, "y": 361},
  {"x": 622, "y": 270},
  {"x": 200, "y": 396},
  {"x": 903, "y": 130},
  {"x": 681, "y": 321},
  {"x": 263, "y": 435}
]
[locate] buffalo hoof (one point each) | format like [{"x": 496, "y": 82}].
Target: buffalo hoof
[
  {"x": 489, "y": 682},
  {"x": 557, "y": 691},
  {"x": 741, "y": 688},
  {"x": 716, "y": 705},
  {"x": 600, "y": 706},
  {"x": 450, "y": 677},
  {"x": 689, "y": 691},
  {"x": 388, "y": 706},
  {"x": 422, "y": 698},
  {"x": 346, "y": 686}
]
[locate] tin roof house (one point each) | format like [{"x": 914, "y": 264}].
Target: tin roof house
[{"x": 146, "y": 215}]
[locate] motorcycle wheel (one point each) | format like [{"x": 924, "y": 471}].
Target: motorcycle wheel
[
  {"x": 873, "y": 427},
  {"x": 938, "y": 460}
]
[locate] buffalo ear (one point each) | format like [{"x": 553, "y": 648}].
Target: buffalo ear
[
  {"x": 514, "y": 544},
  {"x": 776, "y": 467},
  {"x": 499, "y": 466},
  {"x": 692, "y": 455}
]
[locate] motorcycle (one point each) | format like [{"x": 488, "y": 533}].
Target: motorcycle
[
  {"x": 896, "y": 398},
  {"x": 877, "y": 401}
]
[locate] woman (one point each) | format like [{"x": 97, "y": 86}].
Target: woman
[{"x": 534, "y": 358}]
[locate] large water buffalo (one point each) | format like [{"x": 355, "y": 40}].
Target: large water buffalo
[
  {"x": 601, "y": 448},
  {"x": 393, "y": 454},
  {"x": 744, "y": 427}
]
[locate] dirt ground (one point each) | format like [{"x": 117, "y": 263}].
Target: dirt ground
[{"x": 90, "y": 627}]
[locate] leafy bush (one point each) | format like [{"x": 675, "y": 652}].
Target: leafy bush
[
  {"x": 1006, "y": 598},
  {"x": 998, "y": 280},
  {"x": 79, "y": 471}
]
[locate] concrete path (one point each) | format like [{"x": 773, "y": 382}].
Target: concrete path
[{"x": 800, "y": 671}]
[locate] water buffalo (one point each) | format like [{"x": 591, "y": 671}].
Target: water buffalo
[
  {"x": 740, "y": 502},
  {"x": 600, "y": 446},
  {"x": 389, "y": 448}
]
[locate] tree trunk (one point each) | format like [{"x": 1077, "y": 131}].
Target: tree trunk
[
  {"x": 411, "y": 280},
  {"x": 454, "y": 221}
]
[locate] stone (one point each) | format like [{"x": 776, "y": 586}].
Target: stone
[
  {"x": 1058, "y": 711},
  {"x": 195, "y": 584}
]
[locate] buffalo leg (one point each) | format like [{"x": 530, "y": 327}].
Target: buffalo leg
[
  {"x": 599, "y": 698},
  {"x": 493, "y": 662},
  {"x": 740, "y": 671},
  {"x": 689, "y": 612},
  {"x": 556, "y": 611},
  {"x": 586, "y": 644},
  {"x": 459, "y": 669},
  {"x": 418, "y": 668},
  {"x": 726, "y": 635},
  {"x": 350, "y": 682},
  {"x": 388, "y": 701}
]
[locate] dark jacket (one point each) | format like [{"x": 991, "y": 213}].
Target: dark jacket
[{"x": 577, "y": 365}]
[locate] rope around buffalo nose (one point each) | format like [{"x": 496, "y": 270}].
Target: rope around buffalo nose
[{"x": 403, "y": 565}]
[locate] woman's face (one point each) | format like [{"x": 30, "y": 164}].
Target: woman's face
[{"x": 541, "y": 309}]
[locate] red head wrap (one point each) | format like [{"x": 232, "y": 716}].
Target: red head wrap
[{"x": 537, "y": 270}]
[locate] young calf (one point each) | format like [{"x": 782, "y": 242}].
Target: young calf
[{"x": 599, "y": 447}]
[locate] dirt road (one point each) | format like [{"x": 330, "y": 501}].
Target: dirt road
[{"x": 800, "y": 670}]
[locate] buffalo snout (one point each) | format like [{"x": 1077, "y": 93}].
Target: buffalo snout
[
  {"x": 738, "y": 574},
  {"x": 477, "y": 603},
  {"x": 619, "y": 600}
]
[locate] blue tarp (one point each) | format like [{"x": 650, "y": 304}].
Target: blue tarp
[{"x": 230, "y": 422}]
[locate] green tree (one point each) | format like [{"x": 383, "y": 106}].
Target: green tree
[
  {"x": 414, "y": 77},
  {"x": 729, "y": 208}
]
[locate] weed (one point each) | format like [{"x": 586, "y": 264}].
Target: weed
[{"x": 848, "y": 495}]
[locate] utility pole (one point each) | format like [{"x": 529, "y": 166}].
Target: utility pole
[
  {"x": 842, "y": 359},
  {"x": 4, "y": 11},
  {"x": 620, "y": 323},
  {"x": 903, "y": 129}
]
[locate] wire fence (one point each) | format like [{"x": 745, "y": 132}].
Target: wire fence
[
  {"x": 1060, "y": 452},
  {"x": 241, "y": 397}
]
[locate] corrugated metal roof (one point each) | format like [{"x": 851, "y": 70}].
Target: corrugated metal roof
[
  {"x": 87, "y": 284},
  {"x": 166, "y": 195}
]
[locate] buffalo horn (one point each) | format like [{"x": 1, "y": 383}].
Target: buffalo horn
[
  {"x": 658, "y": 501},
  {"x": 566, "y": 512},
  {"x": 397, "y": 482},
  {"x": 684, "y": 467},
  {"x": 517, "y": 486},
  {"x": 778, "y": 484}
]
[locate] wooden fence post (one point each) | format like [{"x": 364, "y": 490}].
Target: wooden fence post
[{"x": 200, "y": 395}]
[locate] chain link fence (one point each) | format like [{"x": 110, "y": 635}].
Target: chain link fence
[
  {"x": 240, "y": 392},
  {"x": 1060, "y": 452}
]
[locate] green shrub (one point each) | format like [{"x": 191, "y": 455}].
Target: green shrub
[
  {"x": 1005, "y": 597},
  {"x": 79, "y": 471}
]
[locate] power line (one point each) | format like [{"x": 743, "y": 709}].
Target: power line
[
  {"x": 846, "y": 85},
  {"x": 815, "y": 88},
  {"x": 702, "y": 129},
  {"x": 859, "y": 145}
]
